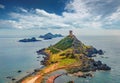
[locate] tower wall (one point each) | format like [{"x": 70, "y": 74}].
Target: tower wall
[{"x": 70, "y": 33}]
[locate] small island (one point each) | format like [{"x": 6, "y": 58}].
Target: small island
[
  {"x": 50, "y": 36},
  {"x": 71, "y": 55},
  {"x": 33, "y": 39}
]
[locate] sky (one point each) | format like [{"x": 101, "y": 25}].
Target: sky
[{"x": 91, "y": 17}]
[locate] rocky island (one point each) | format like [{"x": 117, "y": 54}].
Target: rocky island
[
  {"x": 33, "y": 39},
  {"x": 69, "y": 54},
  {"x": 50, "y": 36}
]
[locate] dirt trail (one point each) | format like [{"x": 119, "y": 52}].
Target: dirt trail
[{"x": 38, "y": 77}]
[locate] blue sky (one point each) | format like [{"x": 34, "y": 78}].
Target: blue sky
[{"x": 93, "y": 16}]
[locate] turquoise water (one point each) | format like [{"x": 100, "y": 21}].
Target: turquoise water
[{"x": 16, "y": 56}]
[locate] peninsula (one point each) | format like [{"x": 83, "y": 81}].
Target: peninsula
[{"x": 69, "y": 54}]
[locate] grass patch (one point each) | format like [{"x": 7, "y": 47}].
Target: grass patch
[
  {"x": 53, "y": 50},
  {"x": 67, "y": 61},
  {"x": 64, "y": 43}
]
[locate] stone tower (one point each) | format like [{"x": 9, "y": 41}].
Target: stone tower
[{"x": 70, "y": 33}]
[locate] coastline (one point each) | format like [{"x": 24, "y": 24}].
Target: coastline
[
  {"x": 52, "y": 78},
  {"x": 77, "y": 63},
  {"x": 30, "y": 74},
  {"x": 111, "y": 57},
  {"x": 38, "y": 74},
  {"x": 47, "y": 70},
  {"x": 35, "y": 70}
]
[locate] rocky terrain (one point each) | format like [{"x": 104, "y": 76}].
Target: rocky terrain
[
  {"x": 77, "y": 53},
  {"x": 68, "y": 54}
]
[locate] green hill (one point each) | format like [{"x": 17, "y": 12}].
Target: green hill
[
  {"x": 71, "y": 42},
  {"x": 64, "y": 43},
  {"x": 71, "y": 54}
]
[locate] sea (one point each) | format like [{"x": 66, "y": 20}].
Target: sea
[{"x": 15, "y": 56}]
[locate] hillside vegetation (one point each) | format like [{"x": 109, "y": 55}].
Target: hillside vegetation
[
  {"x": 67, "y": 52},
  {"x": 72, "y": 53}
]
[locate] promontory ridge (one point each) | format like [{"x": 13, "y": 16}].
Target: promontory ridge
[{"x": 71, "y": 55}]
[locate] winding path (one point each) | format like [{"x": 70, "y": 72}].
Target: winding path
[
  {"x": 39, "y": 76},
  {"x": 33, "y": 80}
]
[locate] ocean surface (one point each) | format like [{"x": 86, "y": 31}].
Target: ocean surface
[{"x": 16, "y": 56}]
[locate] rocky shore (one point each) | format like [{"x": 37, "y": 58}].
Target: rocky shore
[
  {"x": 93, "y": 65},
  {"x": 93, "y": 51},
  {"x": 83, "y": 75},
  {"x": 79, "y": 71},
  {"x": 45, "y": 58},
  {"x": 87, "y": 71}
]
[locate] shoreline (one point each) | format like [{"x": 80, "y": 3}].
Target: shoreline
[
  {"x": 35, "y": 70},
  {"x": 51, "y": 79},
  {"x": 30, "y": 74},
  {"x": 39, "y": 74}
]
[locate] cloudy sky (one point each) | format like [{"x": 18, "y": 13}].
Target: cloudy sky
[{"x": 93, "y": 16}]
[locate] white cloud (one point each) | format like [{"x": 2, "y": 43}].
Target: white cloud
[
  {"x": 8, "y": 23},
  {"x": 77, "y": 15},
  {"x": 115, "y": 15},
  {"x": 80, "y": 18},
  {"x": 2, "y": 6},
  {"x": 23, "y": 10},
  {"x": 79, "y": 7},
  {"x": 113, "y": 20},
  {"x": 38, "y": 19}
]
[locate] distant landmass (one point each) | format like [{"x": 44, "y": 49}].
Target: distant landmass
[
  {"x": 50, "y": 36},
  {"x": 33, "y": 39}
]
